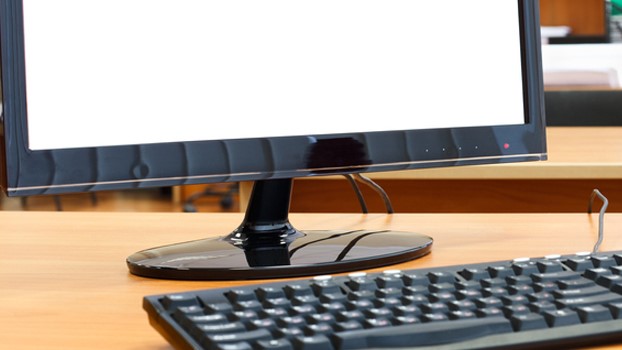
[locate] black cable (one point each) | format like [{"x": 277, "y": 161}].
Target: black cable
[
  {"x": 378, "y": 189},
  {"x": 358, "y": 193},
  {"x": 601, "y": 216}
]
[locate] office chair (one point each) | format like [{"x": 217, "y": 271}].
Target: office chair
[
  {"x": 57, "y": 201},
  {"x": 226, "y": 192}
]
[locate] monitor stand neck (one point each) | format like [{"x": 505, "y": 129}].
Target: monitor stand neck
[
  {"x": 266, "y": 245},
  {"x": 266, "y": 233}
]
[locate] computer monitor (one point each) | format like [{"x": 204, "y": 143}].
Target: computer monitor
[{"x": 123, "y": 94}]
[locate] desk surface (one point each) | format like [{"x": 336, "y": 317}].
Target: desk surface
[{"x": 54, "y": 265}]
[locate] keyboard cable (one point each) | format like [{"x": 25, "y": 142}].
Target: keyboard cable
[{"x": 601, "y": 216}]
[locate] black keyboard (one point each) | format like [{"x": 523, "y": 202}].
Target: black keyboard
[{"x": 554, "y": 301}]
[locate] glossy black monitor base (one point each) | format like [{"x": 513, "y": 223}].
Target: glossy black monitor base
[
  {"x": 317, "y": 253},
  {"x": 267, "y": 246}
]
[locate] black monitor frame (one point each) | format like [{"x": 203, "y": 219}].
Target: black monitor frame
[
  {"x": 29, "y": 172},
  {"x": 265, "y": 244}
]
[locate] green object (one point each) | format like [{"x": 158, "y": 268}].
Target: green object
[{"x": 616, "y": 8}]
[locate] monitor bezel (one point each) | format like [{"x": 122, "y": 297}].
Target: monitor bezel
[{"x": 29, "y": 172}]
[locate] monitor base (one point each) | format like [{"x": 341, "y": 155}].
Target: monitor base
[
  {"x": 266, "y": 245},
  {"x": 315, "y": 253}
]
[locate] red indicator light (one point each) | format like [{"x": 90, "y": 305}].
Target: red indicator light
[{"x": 506, "y": 145}]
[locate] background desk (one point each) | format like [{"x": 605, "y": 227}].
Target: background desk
[
  {"x": 580, "y": 159},
  {"x": 64, "y": 283}
]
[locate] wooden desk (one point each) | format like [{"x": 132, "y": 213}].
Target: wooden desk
[
  {"x": 580, "y": 159},
  {"x": 64, "y": 283}
]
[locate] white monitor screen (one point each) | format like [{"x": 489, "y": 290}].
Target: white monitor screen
[{"x": 99, "y": 70}]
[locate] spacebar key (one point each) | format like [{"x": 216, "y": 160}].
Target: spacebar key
[{"x": 422, "y": 334}]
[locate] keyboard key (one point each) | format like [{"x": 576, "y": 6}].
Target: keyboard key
[
  {"x": 513, "y": 310},
  {"x": 549, "y": 266},
  {"x": 544, "y": 286},
  {"x": 354, "y": 315},
  {"x": 298, "y": 290},
  {"x": 265, "y": 323},
  {"x": 493, "y": 282},
  {"x": 173, "y": 301},
  {"x": 441, "y": 277},
  {"x": 608, "y": 281},
  {"x": 494, "y": 292},
  {"x": 542, "y": 306},
  {"x": 433, "y": 317},
  {"x": 529, "y": 321},
  {"x": 540, "y": 296},
  {"x": 291, "y": 321},
  {"x": 518, "y": 280},
  {"x": 376, "y": 323},
  {"x": 288, "y": 333},
  {"x": 432, "y": 333},
  {"x": 500, "y": 271},
  {"x": 400, "y": 320},
  {"x": 474, "y": 274},
  {"x": 601, "y": 299},
  {"x": 469, "y": 294},
  {"x": 579, "y": 264},
  {"x": 359, "y": 282},
  {"x": 406, "y": 310},
  {"x": 616, "y": 310},
  {"x": 390, "y": 280},
  {"x": 489, "y": 312},
  {"x": 321, "y": 318},
  {"x": 415, "y": 279},
  {"x": 317, "y": 342},
  {"x": 218, "y": 308},
  {"x": 221, "y": 328},
  {"x": 266, "y": 293},
  {"x": 596, "y": 272},
  {"x": 347, "y": 326},
  {"x": 515, "y": 299},
  {"x": 579, "y": 292},
  {"x": 187, "y": 321},
  {"x": 241, "y": 295},
  {"x": 487, "y": 302},
  {"x": 555, "y": 276},
  {"x": 317, "y": 329},
  {"x": 594, "y": 313},
  {"x": 433, "y": 308},
  {"x": 325, "y": 285},
  {"x": 275, "y": 344},
  {"x": 603, "y": 261},
  {"x": 563, "y": 317},
  {"x": 575, "y": 283},
  {"x": 472, "y": 284},
  {"x": 461, "y": 314},
  {"x": 213, "y": 340},
  {"x": 233, "y": 346},
  {"x": 461, "y": 305},
  {"x": 525, "y": 268},
  {"x": 332, "y": 308},
  {"x": 521, "y": 289}
]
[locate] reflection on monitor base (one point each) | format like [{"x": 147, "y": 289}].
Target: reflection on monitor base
[
  {"x": 317, "y": 253},
  {"x": 266, "y": 245}
]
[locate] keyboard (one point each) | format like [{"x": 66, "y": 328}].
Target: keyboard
[{"x": 554, "y": 301}]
